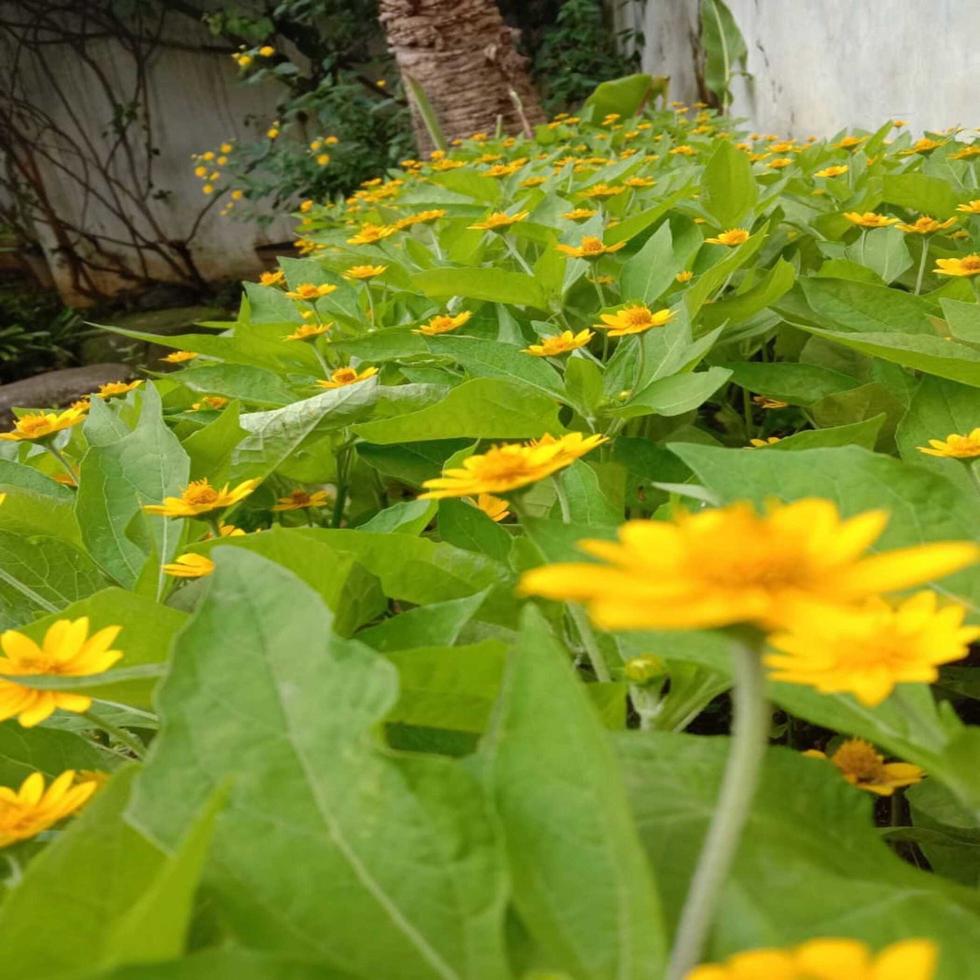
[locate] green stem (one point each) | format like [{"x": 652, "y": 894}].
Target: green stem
[
  {"x": 370, "y": 299},
  {"x": 435, "y": 242},
  {"x": 590, "y": 643},
  {"x": 58, "y": 455},
  {"x": 972, "y": 471},
  {"x": 323, "y": 364},
  {"x": 517, "y": 255},
  {"x": 922, "y": 265},
  {"x": 598, "y": 289},
  {"x": 342, "y": 475},
  {"x": 120, "y": 734},
  {"x": 747, "y": 748},
  {"x": 566, "y": 514}
]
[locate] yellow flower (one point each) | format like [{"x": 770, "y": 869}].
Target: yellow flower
[
  {"x": 444, "y": 323},
  {"x": 322, "y": 159},
  {"x": 499, "y": 219},
  {"x": 971, "y": 207},
  {"x": 590, "y": 248},
  {"x": 863, "y": 767},
  {"x": 180, "y": 356},
  {"x": 267, "y": 51},
  {"x": 580, "y": 214},
  {"x": 31, "y": 809},
  {"x": 190, "y": 566},
  {"x": 67, "y": 651},
  {"x": 369, "y": 233},
  {"x": 301, "y": 499},
  {"x": 869, "y": 219},
  {"x": 509, "y": 466},
  {"x": 683, "y": 150},
  {"x": 39, "y": 425},
  {"x": 309, "y": 291},
  {"x": 201, "y": 171},
  {"x": 759, "y": 443},
  {"x": 347, "y": 376},
  {"x": 639, "y": 182},
  {"x": 226, "y": 147},
  {"x": 923, "y": 145},
  {"x": 828, "y": 959},
  {"x": 214, "y": 402},
  {"x": 925, "y": 225},
  {"x": 779, "y": 163},
  {"x": 598, "y": 191},
  {"x": 969, "y": 265},
  {"x": 365, "y": 271},
  {"x": 634, "y": 319},
  {"x": 560, "y": 343},
  {"x": 849, "y": 142},
  {"x": 113, "y": 388},
  {"x": 504, "y": 169},
  {"x": 763, "y": 401},
  {"x": 833, "y": 171},
  {"x": 442, "y": 165},
  {"x": 869, "y": 649},
  {"x": 965, "y": 153},
  {"x": 494, "y": 507},
  {"x": 954, "y": 446},
  {"x": 685, "y": 276},
  {"x": 200, "y": 497},
  {"x": 533, "y": 182},
  {"x": 731, "y": 238},
  {"x": 306, "y": 206},
  {"x": 309, "y": 331},
  {"x": 242, "y": 60},
  {"x": 731, "y": 565}
]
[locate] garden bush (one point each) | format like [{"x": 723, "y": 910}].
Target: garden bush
[{"x": 328, "y": 685}]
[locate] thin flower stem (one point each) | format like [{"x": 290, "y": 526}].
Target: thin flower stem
[
  {"x": 922, "y": 265},
  {"x": 566, "y": 514},
  {"x": 16, "y": 872},
  {"x": 974, "y": 473},
  {"x": 747, "y": 749},
  {"x": 323, "y": 364},
  {"x": 370, "y": 299},
  {"x": 590, "y": 642},
  {"x": 435, "y": 242},
  {"x": 864, "y": 235},
  {"x": 58, "y": 455},
  {"x": 599, "y": 292},
  {"x": 120, "y": 734},
  {"x": 517, "y": 255},
  {"x": 341, "y": 500}
]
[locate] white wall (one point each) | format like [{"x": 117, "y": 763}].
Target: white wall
[{"x": 823, "y": 65}]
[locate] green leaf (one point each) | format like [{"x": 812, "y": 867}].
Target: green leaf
[
  {"x": 883, "y": 250},
  {"x": 437, "y": 624},
  {"x": 483, "y": 408},
  {"x": 820, "y": 833},
  {"x": 736, "y": 309},
  {"x": 649, "y": 273},
  {"x": 927, "y": 195},
  {"x": 249, "y": 384},
  {"x": 863, "y": 433},
  {"x": 405, "y": 517},
  {"x": 17, "y": 475},
  {"x": 224, "y": 963},
  {"x": 724, "y": 49},
  {"x": 799, "y": 384},
  {"x": 493, "y": 285},
  {"x": 117, "y": 478},
  {"x": 729, "y": 190},
  {"x": 581, "y": 885},
  {"x": 210, "y": 448},
  {"x": 465, "y": 526},
  {"x": 252, "y": 675},
  {"x": 715, "y": 276},
  {"x": 273, "y": 436},
  {"x": 963, "y": 320},
  {"x": 105, "y": 890},
  {"x": 846, "y": 305},
  {"x": 48, "y": 751},
  {"x": 625, "y": 96},
  {"x": 674, "y": 395}
]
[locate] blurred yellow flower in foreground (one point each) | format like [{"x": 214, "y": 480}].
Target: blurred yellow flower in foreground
[
  {"x": 867, "y": 650},
  {"x": 509, "y": 466},
  {"x": 955, "y": 446},
  {"x": 494, "y": 507},
  {"x": 345, "y": 376},
  {"x": 190, "y": 566},
  {"x": 200, "y": 497},
  {"x": 590, "y": 248},
  {"x": 731, "y": 238},
  {"x": 67, "y": 651},
  {"x": 827, "y": 959},
  {"x": 560, "y": 344},
  {"x": 634, "y": 319},
  {"x": 971, "y": 207},
  {"x": 733, "y": 565},
  {"x": 862, "y": 766},
  {"x": 969, "y": 265},
  {"x": 31, "y": 809},
  {"x": 40, "y": 425}
]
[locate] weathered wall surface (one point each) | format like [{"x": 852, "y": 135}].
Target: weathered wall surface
[
  {"x": 194, "y": 103},
  {"x": 822, "y": 65}
]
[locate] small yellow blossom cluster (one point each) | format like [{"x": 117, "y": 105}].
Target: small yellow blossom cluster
[{"x": 208, "y": 164}]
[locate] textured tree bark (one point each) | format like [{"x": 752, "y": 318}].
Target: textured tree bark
[{"x": 463, "y": 56}]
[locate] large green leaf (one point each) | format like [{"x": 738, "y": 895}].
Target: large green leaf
[
  {"x": 483, "y": 408},
  {"x": 48, "y": 751},
  {"x": 799, "y": 384},
  {"x": 581, "y": 885},
  {"x": 729, "y": 190},
  {"x": 263, "y": 696},
  {"x": 117, "y": 479},
  {"x": 649, "y": 273},
  {"x": 102, "y": 894},
  {"x": 846, "y": 305},
  {"x": 674, "y": 395},
  {"x": 493, "y": 285},
  {"x": 625, "y": 96},
  {"x": 819, "y": 833}
]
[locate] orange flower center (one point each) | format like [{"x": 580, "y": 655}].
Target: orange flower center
[
  {"x": 592, "y": 246},
  {"x": 34, "y": 425},
  {"x": 345, "y": 375},
  {"x": 858, "y": 759},
  {"x": 200, "y": 492},
  {"x": 638, "y": 316},
  {"x": 972, "y": 263}
]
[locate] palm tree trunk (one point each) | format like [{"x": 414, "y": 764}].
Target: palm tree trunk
[{"x": 463, "y": 56}]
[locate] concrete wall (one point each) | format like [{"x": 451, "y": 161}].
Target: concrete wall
[
  {"x": 822, "y": 65},
  {"x": 194, "y": 104}
]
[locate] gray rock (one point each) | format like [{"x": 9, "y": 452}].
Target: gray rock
[{"x": 57, "y": 388}]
